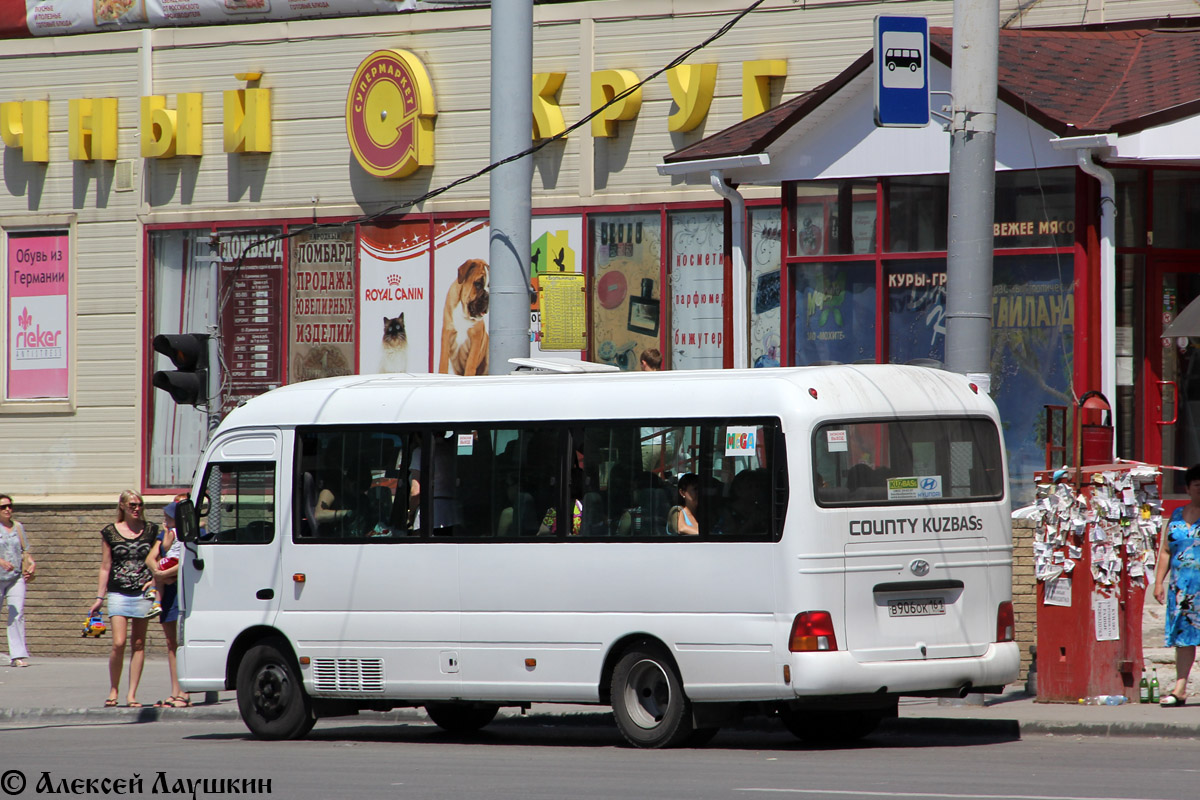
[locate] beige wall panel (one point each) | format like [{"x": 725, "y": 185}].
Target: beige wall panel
[
  {"x": 57, "y": 462},
  {"x": 61, "y": 184},
  {"x": 1076, "y": 12}
]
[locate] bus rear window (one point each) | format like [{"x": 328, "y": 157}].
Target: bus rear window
[{"x": 895, "y": 462}]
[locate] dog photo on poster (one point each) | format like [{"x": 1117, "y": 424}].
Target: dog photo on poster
[{"x": 461, "y": 297}]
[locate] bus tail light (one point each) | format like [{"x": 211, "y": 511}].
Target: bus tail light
[
  {"x": 812, "y": 631},
  {"x": 1005, "y": 623}
]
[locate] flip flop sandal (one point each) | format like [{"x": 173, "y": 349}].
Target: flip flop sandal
[
  {"x": 110, "y": 702},
  {"x": 1173, "y": 701},
  {"x": 134, "y": 704},
  {"x": 178, "y": 701}
]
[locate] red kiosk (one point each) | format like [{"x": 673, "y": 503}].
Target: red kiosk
[{"x": 1094, "y": 557}]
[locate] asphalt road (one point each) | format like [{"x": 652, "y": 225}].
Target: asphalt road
[{"x": 527, "y": 761}]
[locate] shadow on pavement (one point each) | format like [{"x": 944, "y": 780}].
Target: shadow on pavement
[{"x": 543, "y": 732}]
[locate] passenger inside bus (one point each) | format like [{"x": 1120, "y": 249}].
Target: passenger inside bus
[
  {"x": 519, "y": 517},
  {"x": 683, "y": 519},
  {"x": 747, "y": 511},
  {"x": 447, "y": 514},
  {"x": 549, "y": 526}
]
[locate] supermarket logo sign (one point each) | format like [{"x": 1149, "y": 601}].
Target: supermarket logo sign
[{"x": 390, "y": 111}]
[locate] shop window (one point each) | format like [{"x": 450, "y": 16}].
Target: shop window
[
  {"x": 626, "y": 286},
  {"x": 834, "y": 312},
  {"x": 917, "y": 213},
  {"x": 251, "y": 327},
  {"x": 1033, "y": 323},
  {"x": 1176, "y": 209},
  {"x": 834, "y": 218},
  {"x": 916, "y": 302},
  {"x": 765, "y": 286},
  {"x": 1131, "y": 317},
  {"x": 1035, "y": 208},
  {"x": 697, "y": 278},
  {"x": 1131, "y": 207}
]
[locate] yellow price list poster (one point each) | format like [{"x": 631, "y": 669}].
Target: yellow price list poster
[{"x": 562, "y": 301}]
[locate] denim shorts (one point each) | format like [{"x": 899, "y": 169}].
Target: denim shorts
[{"x": 122, "y": 605}]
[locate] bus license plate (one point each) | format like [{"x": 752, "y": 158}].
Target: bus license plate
[{"x": 925, "y": 607}]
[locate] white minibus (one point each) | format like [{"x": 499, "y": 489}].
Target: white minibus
[{"x": 687, "y": 547}]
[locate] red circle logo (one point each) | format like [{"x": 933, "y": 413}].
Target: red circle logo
[{"x": 389, "y": 114}]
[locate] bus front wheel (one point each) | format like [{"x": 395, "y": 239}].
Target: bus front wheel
[
  {"x": 648, "y": 700},
  {"x": 270, "y": 695},
  {"x": 461, "y": 717},
  {"x": 830, "y": 727}
]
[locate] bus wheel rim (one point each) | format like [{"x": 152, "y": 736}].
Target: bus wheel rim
[
  {"x": 647, "y": 694},
  {"x": 271, "y": 691}
]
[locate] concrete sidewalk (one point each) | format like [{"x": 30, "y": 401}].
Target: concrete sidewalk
[{"x": 74, "y": 689}]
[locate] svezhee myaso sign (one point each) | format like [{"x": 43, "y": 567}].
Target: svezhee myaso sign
[{"x": 389, "y": 114}]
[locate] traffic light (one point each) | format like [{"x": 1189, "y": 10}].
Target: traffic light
[{"x": 188, "y": 382}]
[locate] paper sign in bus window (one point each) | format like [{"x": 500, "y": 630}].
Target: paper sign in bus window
[
  {"x": 837, "y": 441},
  {"x": 740, "y": 441},
  {"x": 466, "y": 443}
]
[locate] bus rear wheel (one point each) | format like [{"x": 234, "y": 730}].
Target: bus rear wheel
[
  {"x": 648, "y": 700},
  {"x": 270, "y": 695},
  {"x": 461, "y": 717},
  {"x": 830, "y": 727}
]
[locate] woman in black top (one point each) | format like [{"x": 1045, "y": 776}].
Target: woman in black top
[{"x": 123, "y": 581}]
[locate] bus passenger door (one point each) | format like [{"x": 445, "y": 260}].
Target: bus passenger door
[
  {"x": 230, "y": 581},
  {"x": 367, "y": 599}
]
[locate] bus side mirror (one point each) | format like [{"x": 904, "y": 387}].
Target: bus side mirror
[{"x": 186, "y": 524}]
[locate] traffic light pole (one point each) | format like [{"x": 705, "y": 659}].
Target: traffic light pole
[
  {"x": 212, "y": 403},
  {"x": 213, "y": 406}
]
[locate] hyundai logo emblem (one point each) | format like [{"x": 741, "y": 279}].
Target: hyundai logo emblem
[
  {"x": 929, "y": 483},
  {"x": 919, "y": 567}
]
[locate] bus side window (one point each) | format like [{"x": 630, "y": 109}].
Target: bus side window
[{"x": 241, "y": 503}]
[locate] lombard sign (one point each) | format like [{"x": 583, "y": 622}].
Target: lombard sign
[
  {"x": 901, "y": 72},
  {"x": 389, "y": 114}
]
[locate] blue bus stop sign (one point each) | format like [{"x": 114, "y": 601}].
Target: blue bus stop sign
[{"x": 901, "y": 72}]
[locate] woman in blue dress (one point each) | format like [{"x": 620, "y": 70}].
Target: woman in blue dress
[{"x": 1179, "y": 557}]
